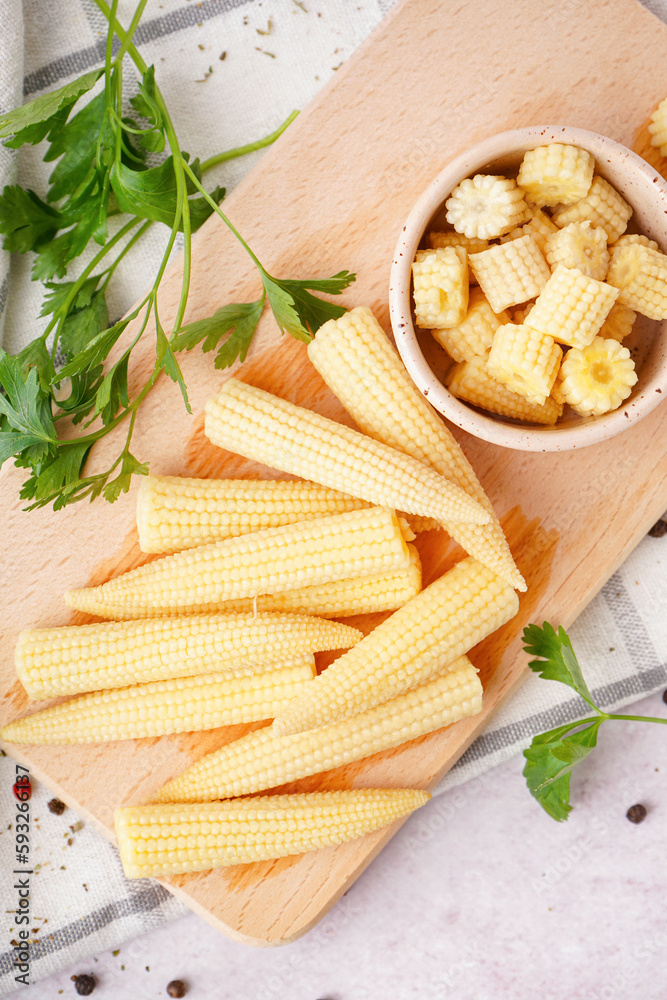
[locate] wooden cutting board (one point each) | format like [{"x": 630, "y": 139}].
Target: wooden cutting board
[{"x": 333, "y": 193}]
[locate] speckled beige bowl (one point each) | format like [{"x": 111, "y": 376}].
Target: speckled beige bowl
[{"x": 427, "y": 363}]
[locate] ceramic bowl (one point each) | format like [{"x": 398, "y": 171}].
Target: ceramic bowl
[{"x": 642, "y": 187}]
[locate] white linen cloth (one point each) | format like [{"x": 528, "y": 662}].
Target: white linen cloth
[{"x": 81, "y": 901}]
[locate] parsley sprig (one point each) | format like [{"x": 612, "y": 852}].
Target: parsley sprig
[
  {"x": 60, "y": 395},
  {"x": 552, "y": 755}
]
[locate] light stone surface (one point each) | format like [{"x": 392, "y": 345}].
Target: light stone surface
[{"x": 480, "y": 896}]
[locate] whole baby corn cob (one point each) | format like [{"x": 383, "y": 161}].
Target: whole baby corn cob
[
  {"x": 618, "y": 324},
  {"x": 572, "y": 307},
  {"x": 176, "y": 837},
  {"x": 524, "y": 360},
  {"x": 556, "y": 174},
  {"x": 640, "y": 275},
  {"x": 342, "y": 598},
  {"x": 175, "y": 513},
  {"x": 440, "y": 286},
  {"x": 448, "y": 618},
  {"x": 511, "y": 273},
  {"x": 579, "y": 245},
  {"x": 602, "y": 206},
  {"x": 262, "y": 760},
  {"x": 474, "y": 334},
  {"x": 658, "y": 127},
  {"x": 472, "y": 382},
  {"x": 76, "y": 658},
  {"x": 176, "y": 705},
  {"x": 359, "y": 543},
  {"x": 486, "y": 206},
  {"x": 355, "y": 358},
  {"x": 540, "y": 228},
  {"x": 597, "y": 378},
  {"x": 262, "y": 427}
]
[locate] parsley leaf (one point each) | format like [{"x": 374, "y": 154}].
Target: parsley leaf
[
  {"x": 145, "y": 104},
  {"x": 130, "y": 466},
  {"x": 151, "y": 194},
  {"x": 557, "y": 659},
  {"x": 26, "y": 221},
  {"x": 549, "y": 762},
  {"x": 166, "y": 359},
  {"x": 74, "y": 145},
  {"x": 238, "y": 319},
  {"x": 23, "y": 401},
  {"x": 36, "y": 355},
  {"x": 53, "y": 475},
  {"x": 42, "y": 110},
  {"x": 52, "y": 258},
  {"x": 297, "y": 311},
  {"x": 112, "y": 393},
  {"x": 82, "y": 325},
  {"x": 58, "y": 292},
  {"x": 94, "y": 353}
]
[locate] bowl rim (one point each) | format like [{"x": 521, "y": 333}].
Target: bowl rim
[{"x": 495, "y": 431}]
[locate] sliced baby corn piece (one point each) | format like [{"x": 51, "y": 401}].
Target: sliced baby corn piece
[
  {"x": 629, "y": 239},
  {"x": 658, "y": 127},
  {"x": 172, "y": 838},
  {"x": 176, "y": 705},
  {"x": 556, "y": 174},
  {"x": 355, "y": 358},
  {"x": 341, "y": 598},
  {"x": 262, "y": 760},
  {"x": 520, "y": 312},
  {"x": 619, "y": 323},
  {"x": 262, "y": 427},
  {"x": 597, "y": 378},
  {"x": 471, "y": 382},
  {"x": 540, "y": 228},
  {"x": 640, "y": 275},
  {"x": 511, "y": 273},
  {"x": 474, "y": 334},
  {"x": 579, "y": 245},
  {"x": 448, "y": 618},
  {"x": 524, "y": 360},
  {"x": 360, "y": 542},
  {"x": 572, "y": 307},
  {"x": 472, "y": 244},
  {"x": 602, "y": 206},
  {"x": 75, "y": 658},
  {"x": 486, "y": 206},
  {"x": 440, "y": 286},
  {"x": 175, "y": 513}
]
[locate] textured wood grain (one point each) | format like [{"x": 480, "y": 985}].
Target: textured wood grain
[{"x": 333, "y": 193}]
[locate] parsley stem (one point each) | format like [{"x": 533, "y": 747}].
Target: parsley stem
[
  {"x": 228, "y": 222},
  {"x": 250, "y": 147},
  {"x": 638, "y": 718},
  {"x": 134, "y": 24},
  {"x": 108, "y": 271}
]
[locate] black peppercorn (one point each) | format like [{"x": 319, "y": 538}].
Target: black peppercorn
[
  {"x": 176, "y": 988},
  {"x": 659, "y": 529},
  {"x": 636, "y": 814},
  {"x": 664, "y": 697},
  {"x": 56, "y": 806},
  {"x": 84, "y": 985}
]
